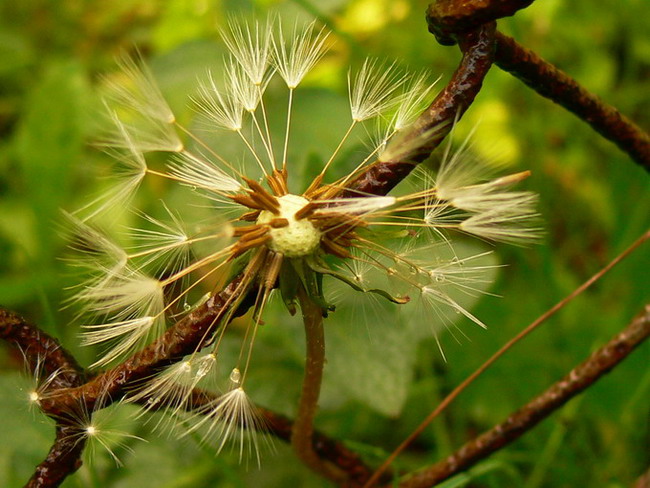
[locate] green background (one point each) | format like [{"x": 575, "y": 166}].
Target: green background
[{"x": 593, "y": 199}]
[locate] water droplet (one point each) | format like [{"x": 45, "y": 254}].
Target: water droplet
[
  {"x": 235, "y": 376},
  {"x": 153, "y": 400},
  {"x": 186, "y": 307},
  {"x": 205, "y": 365},
  {"x": 439, "y": 277}
]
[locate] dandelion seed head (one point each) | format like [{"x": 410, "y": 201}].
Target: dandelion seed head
[{"x": 257, "y": 226}]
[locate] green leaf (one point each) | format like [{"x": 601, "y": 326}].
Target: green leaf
[
  {"x": 49, "y": 144},
  {"x": 370, "y": 355}
]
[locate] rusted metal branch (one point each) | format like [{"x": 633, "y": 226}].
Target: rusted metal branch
[
  {"x": 434, "y": 124},
  {"x": 524, "y": 419},
  {"x": 40, "y": 350},
  {"x": 46, "y": 357},
  {"x": 449, "y": 18},
  {"x": 554, "y": 84},
  {"x": 63, "y": 459}
]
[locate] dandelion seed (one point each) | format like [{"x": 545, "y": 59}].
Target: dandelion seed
[
  {"x": 124, "y": 294},
  {"x": 231, "y": 417},
  {"x": 372, "y": 88},
  {"x": 130, "y": 170},
  {"x": 296, "y": 56},
  {"x": 224, "y": 110},
  {"x": 128, "y": 336},
  {"x": 194, "y": 171},
  {"x": 251, "y": 47},
  {"x": 144, "y": 114},
  {"x": 492, "y": 211},
  {"x": 92, "y": 246},
  {"x": 99, "y": 429},
  {"x": 140, "y": 91},
  {"x": 416, "y": 91},
  {"x": 40, "y": 381},
  {"x": 355, "y": 206},
  {"x": 173, "y": 387},
  {"x": 243, "y": 91},
  {"x": 168, "y": 244}
]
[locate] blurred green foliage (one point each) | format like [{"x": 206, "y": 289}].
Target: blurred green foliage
[{"x": 594, "y": 202}]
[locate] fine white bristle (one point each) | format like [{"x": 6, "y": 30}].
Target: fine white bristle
[
  {"x": 371, "y": 90},
  {"x": 172, "y": 387},
  {"x": 251, "y": 47},
  {"x": 413, "y": 100},
  {"x": 296, "y": 55},
  {"x": 223, "y": 108},
  {"x": 355, "y": 206},
  {"x": 231, "y": 417},
  {"x": 143, "y": 112},
  {"x": 196, "y": 172}
]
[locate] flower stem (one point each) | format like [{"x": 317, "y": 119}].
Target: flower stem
[{"x": 303, "y": 427}]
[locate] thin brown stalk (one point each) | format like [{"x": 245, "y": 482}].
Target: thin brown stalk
[
  {"x": 505, "y": 348},
  {"x": 554, "y": 84},
  {"x": 524, "y": 419},
  {"x": 302, "y": 433}
]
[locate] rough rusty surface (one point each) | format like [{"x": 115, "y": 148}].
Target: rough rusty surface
[
  {"x": 40, "y": 350},
  {"x": 181, "y": 339},
  {"x": 449, "y": 18},
  {"x": 63, "y": 459},
  {"x": 559, "y": 87},
  {"x": 68, "y": 390},
  {"x": 523, "y": 420},
  {"x": 436, "y": 121}
]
